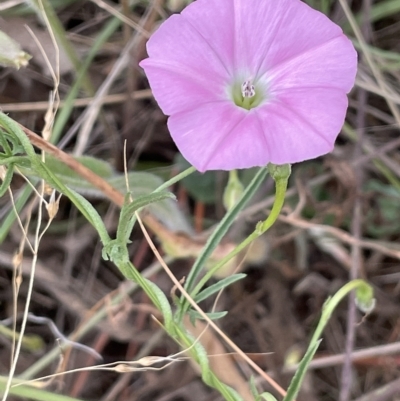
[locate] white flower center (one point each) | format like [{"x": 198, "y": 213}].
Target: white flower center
[{"x": 248, "y": 89}]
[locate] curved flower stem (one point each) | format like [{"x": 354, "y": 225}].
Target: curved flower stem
[
  {"x": 280, "y": 191},
  {"x": 365, "y": 301},
  {"x": 364, "y": 295}
]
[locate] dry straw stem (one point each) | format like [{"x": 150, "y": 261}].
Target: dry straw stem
[
  {"x": 39, "y": 232},
  {"x": 384, "y": 393},
  {"x": 356, "y": 356},
  {"x": 341, "y": 235},
  {"x": 116, "y": 13},
  {"x": 83, "y": 102},
  {"x": 111, "y": 193},
  {"x": 38, "y": 237},
  {"x": 374, "y": 68},
  {"x": 143, "y": 364},
  {"x": 178, "y": 285},
  {"x": 93, "y": 109},
  {"x": 90, "y": 318}
]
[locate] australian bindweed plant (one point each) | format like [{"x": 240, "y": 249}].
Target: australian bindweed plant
[
  {"x": 237, "y": 95},
  {"x": 19, "y": 155}
]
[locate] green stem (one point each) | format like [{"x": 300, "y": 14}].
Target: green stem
[
  {"x": 331, "y": 304},
  {"x": 216, "y": 237},
  {"x": 364, "y": 297},
  {"x": 261, "y": 228}
]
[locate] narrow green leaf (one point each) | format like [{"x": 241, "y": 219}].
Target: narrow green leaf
[
  {"x": 127, "y": 216},
  {"x": 20, "y": 201},
  {"x": 211, "y": 315},
  {"x": 220, "y": 285},
  {"x": 223, "y": 227},
  {"x": 81, "y": 203},
  {"x": 253, "y": 388},
  {"x": 266, "y": 397},
  {"x": 6, "y": 175},
  {"x": 298, "y": 378},
  {"x": 163, "y": 305}
]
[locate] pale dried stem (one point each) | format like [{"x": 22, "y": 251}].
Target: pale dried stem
[
  {"x": 356, "y": 356},
  {"x": 383, "y": 393},
  {"x": 374, "y": 68},
  {"x": 93, "y": 109},
  {"x": 228, "y": 341},
  {"x": 116, "y": 13},
  {"x": 341, "y": 235},
  {"x": 83, "y": 102}
]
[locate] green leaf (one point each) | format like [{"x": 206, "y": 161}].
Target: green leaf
[
  {"x": 253, "y": 388},
  {"x": 220, "y": 285},
  {"x": 139, "y": 183},
  {"x": 127, "y": 216},
  {"x": 298, "y": 378},
  {"x": 116, "y": 250},
  {"x": 211, "y": 315},
  {"x": 6, "y": 175},
  {"x": 222, "y": 228},
  {"x": 266, "y": 397},
  {"x": 163, "y": 305},
  {"x": 100, "y": 167},
  {"x": 20, "y": 201}
]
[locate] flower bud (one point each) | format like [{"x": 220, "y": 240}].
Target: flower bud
[
  {"x": 365, "y": 300},
  {"x": 233, "y": 190}
]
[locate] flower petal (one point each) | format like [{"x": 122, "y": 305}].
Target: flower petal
[
  {"x": 303, "y": 124},
  {"x": 178, "y": 90},
  {"x": 177, "y": 43},
  {"x": 215, "y": 23},
  {"x": 332, "y": 65},
  {"x": 220, "y": 136},
  {"x": 270, "y": 32}
]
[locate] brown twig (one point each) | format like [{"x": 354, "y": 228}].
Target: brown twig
[
  {"x": 356, "y": 356},
  {"x": 109, "y": 191},
  {"x": 356, "y": 228},
  {"x": 384, "y": 393},
  {"x": 82, "y": 102}
]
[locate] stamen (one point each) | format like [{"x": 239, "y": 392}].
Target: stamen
[{"x": 248, "y": 89}]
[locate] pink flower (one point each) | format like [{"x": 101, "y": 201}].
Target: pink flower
[{"x": 248, "y": 82}]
